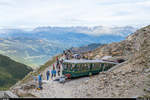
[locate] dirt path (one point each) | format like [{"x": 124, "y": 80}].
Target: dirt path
[{"x": 54, "y": 89}]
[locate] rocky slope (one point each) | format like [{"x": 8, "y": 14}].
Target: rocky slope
[
  {"x": 86, "y": 48},
  {"x": 129, "y": 79},
  {"x": 127, "y": 48}
]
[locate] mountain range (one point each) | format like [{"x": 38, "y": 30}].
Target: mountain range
[{"x": 35, "y": 46}]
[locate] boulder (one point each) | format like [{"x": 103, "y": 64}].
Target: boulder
[
  {"x": 147, "y": 70},
  {"x": 7, "y": 94},
  {"x": 28, "y": 86},
  {"x": 21, "y": 92},
  {"x": 100, "y": 88},
  {"x": 119, "y": 84},
  {"x": 1, "y": 94},
  {"x": 147, "y": 90}
]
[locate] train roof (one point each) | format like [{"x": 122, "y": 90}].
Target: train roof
[{"x": 75, "y": 61}]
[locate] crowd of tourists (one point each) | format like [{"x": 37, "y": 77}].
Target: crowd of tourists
[
  {"x": 67, "y": 54},
  {"x": 51, "y": 73},
  {"x": 70, "y": 55}
]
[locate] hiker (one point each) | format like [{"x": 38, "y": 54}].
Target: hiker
[
  {"x": 47, "y": 74},
  {"x": 67, "y": 57},
  {"x": 53, "y": 71},
  {"x": 61, "y": 61},
  {"x": 57, "y": 59},
  {"x": 58, "y": 70},
  {"x": 57, "y": 63},
  {"x": 40, "y": 81}
]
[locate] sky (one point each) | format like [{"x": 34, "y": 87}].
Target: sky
[{"x": 33, "y": 13}]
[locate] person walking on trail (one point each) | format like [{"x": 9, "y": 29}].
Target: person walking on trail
[
  {"x": 62, "y": 61},
  {"x": 57, "y": 60},
  {"x": 53, "y": 71},
  {"x": 58, "y": 70},
  {"x": 40, "y": 81},
  {"x": 47, "y": 74}
]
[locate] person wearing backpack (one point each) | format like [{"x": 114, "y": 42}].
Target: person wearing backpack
[{"x": 47, "y": 74}]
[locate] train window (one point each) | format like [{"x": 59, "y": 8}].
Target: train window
[
  {"x": 71, "y": 67},
  {"x": 106, "y": 66},
  {"x": 97, "y": 66},
  {"x": 94, "y": 67},
  {"x": 88, "y": 66},
  {"x": 78, "y": 67},
  {"x": 68, "y": 67},
  {"x": 81, "y": 67},
  {"x": 75, "y": 67},
  {"x": 65, "y": 66},
  {"x": 84, "y": 67},
  {"x": 91, "y": 66}
]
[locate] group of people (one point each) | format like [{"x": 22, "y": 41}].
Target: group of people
[
  {"x": 50, "y": 72},
  {"x": 53, "y": 71},
  {"x": 67, "y": 54}
]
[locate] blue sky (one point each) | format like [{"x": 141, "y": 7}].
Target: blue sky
[{"x": 32, "y": 13}]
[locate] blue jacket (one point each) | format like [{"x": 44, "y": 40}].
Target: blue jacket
[
  {"x": 53, "y": 71},
  {"x": 39, "y": 78}
]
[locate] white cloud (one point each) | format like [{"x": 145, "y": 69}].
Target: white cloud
[{"x": 31, "y": 13}]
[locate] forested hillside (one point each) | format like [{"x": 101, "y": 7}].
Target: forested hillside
[{"x": 11, "y": 71}]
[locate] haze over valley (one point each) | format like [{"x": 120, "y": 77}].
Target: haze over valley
[{"x": 34, "y": 47}]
